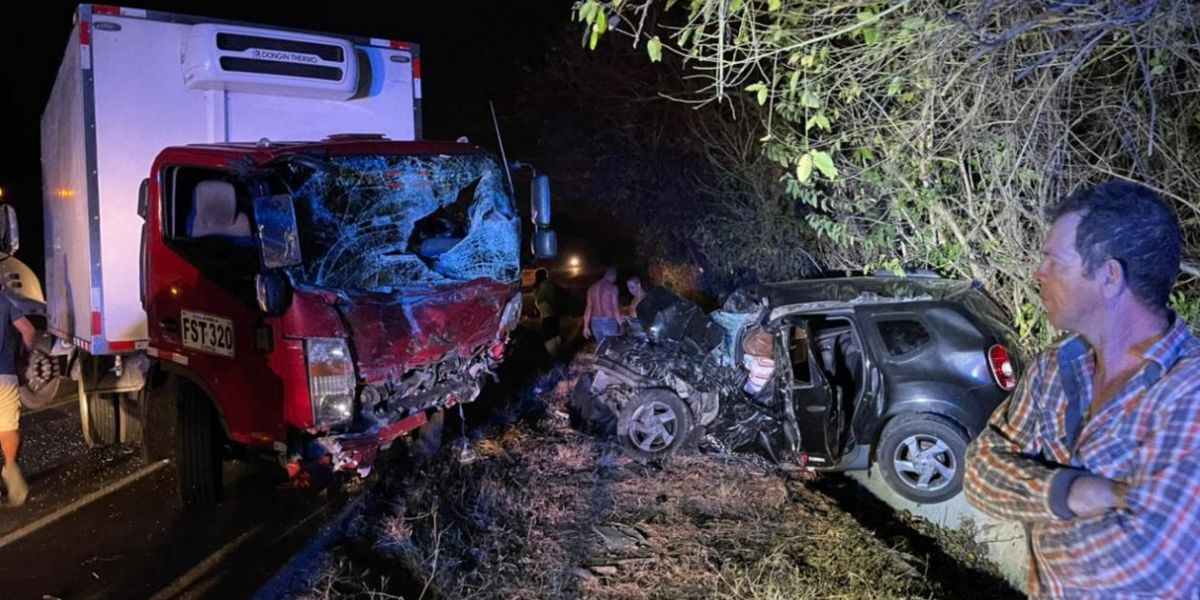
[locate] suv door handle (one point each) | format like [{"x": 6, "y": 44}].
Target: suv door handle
[{"x": 170, "y": 325}]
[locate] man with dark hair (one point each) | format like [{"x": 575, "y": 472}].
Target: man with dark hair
[{"x": 1097, "y": 451}]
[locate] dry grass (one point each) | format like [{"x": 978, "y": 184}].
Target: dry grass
[{"x": 551, "y": 513}]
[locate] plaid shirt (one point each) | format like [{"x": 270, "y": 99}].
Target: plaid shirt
[{"x": 1147, "y": 435}]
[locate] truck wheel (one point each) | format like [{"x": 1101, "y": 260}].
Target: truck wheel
[
  {"x": 41, "y": 381},
  {"x": 198, "y": 458},
  {"x": 132, "y": 408},
  {"x": 653, "y": 424},
  {"x": 159, "y": 410},
  {"x": 922, "y": 458},
  {"x": 98, "y": 417}
]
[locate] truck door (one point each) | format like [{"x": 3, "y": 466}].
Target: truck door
[
  {"x": 200, "y": 265},
  {"x": 813, "y": 398}
]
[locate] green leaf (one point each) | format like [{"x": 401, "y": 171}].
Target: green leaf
[
  {"x": 824, "y": 163},
  {"x": 872, "y": 36},
  {"x": 735, "y": 6},
  {"x": 793, "y": 80},
  {"x": 760, "y": 89},
  {"x": 601, "y": 23},
  {"x": 808, "y": 100},
  {"x": 587, "y": 11},
  {"x": 805, "y": 167},
  {"x": 774, "y": 5},
  {"x": 822, "y": 121},
  {"x": 683, "y": 36},
  {"x": 595, "y": 38},
  {"x": 654, "y": 49}
]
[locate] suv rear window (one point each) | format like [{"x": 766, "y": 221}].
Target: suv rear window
[{"x": 904, "y": 336}]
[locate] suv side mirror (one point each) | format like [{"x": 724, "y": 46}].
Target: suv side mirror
[
  {"x": 10, "y": 236},
  {"x": 278, "y": 236},
  {"x": 539, "y": 200}
]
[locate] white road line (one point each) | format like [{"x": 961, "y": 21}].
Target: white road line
[
  {"x": 180, "y": 585},
  {"x": 80, "y": 503}
]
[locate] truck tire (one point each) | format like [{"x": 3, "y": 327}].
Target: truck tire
[
  {"x": 921, "y": 458},
  {"x": 41, "y": 381},
  {"x": 198, "y": 457},
  {"x": 132, "y": 407},
  {"x": 105, "y": 423},
  {"x": 159, "y": 422},
  {"x": 98, "y": 417},
  {"x": 654, "y": 424}
]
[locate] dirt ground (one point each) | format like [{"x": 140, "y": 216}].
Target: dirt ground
[{"x": 526, "y": 507}]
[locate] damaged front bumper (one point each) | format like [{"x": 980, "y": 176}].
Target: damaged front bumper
[{"x": 391, "y": 410}]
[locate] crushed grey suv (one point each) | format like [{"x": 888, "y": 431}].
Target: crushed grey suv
[{"x": 828, "y": 375}]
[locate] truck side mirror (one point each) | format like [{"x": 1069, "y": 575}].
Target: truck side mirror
[
  {"x": 273, "y": 293},
  {"x": 278, "y": 236},
  {"x": 539, "y": 200},
  {"x": 10, "y": 236},
  {"x": 545, "y": 243}
]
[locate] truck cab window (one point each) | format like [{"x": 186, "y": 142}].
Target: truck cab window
[
  {"x": 214, "y": 214},
  {"x": 206, "y": 220}
]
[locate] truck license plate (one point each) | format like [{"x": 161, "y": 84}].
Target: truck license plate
[{"x": 207, "y": 333}]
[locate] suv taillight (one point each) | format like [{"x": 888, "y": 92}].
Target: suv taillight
[{"x": 1002, "y": 367}]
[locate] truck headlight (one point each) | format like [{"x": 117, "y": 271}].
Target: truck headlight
[{"x": 330, "y": 381}]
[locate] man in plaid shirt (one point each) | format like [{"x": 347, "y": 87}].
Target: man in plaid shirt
[{"x": 1097, "y": 451}]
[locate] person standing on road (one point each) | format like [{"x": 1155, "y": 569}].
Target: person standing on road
[
  {"x": 602, "y": 317},
  {"x": 10, "y": 397},
  {"x": 545, "y": 297},
  {"x": 1097, "y": 451}
]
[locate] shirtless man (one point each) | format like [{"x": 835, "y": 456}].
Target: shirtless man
[{"x": 602, "y": 317}]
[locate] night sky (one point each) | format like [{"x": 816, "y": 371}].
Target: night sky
[{"x": 471, "y": 51}]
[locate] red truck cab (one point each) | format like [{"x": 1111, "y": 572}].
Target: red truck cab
[{"x": 319, "y": 300}]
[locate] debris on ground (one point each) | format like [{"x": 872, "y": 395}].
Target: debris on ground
[{"x": 545, "y": 511}]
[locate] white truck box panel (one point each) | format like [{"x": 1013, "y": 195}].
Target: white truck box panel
[
  {"x": 137, "y": 105},
  {"x": 141, "y": 107},
  {"x": 65, "y": 200}
]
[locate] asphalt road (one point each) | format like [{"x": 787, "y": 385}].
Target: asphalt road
[{"x": 101, "y": 523}]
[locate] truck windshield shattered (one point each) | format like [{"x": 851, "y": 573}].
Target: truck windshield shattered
[{"x": 381, "y": 223}]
